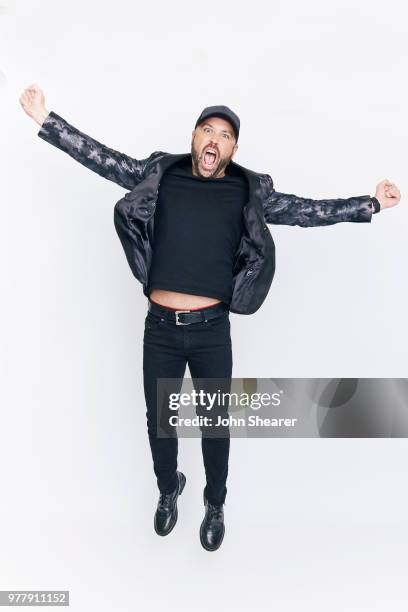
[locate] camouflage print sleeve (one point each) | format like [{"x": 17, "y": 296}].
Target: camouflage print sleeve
[
  {"x": 289, "y": 209},
  {"x": 112, "y": 165}
]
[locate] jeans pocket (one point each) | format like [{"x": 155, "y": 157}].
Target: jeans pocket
[{"x": 152, "y": 321}]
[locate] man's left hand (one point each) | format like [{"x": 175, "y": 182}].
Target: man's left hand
[{"x": 387, "y": 194}]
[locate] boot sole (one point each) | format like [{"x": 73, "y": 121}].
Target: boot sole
[{"x": 181, "y": 487}]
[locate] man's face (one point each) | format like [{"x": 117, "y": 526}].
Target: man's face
[{"x": 214, "y": 135}]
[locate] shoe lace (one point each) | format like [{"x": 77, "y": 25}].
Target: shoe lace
[
  {"x": 215, "y": 512},
  {"x": 164, "y": 501}
]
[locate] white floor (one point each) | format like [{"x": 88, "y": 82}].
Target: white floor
[{"x": 310, "y": 525}]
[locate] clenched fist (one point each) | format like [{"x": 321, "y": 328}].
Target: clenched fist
[
  {"x": 33, "y": 102},
  {"x": 387, "y": 194}
]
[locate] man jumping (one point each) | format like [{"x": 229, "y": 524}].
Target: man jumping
[{"x": 193, "y": 229}]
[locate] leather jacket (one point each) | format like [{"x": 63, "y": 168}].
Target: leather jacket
[{"x": 254, "y": 265}]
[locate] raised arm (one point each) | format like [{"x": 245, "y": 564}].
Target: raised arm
[
  {"x": 289, "y": 209},
  {"x": 112, "y": 165}
]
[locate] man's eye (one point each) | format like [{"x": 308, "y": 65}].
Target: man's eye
[{"x": 226, "y": 135}]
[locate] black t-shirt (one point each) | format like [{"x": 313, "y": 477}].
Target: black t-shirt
[{"x": 198, "y": 224}]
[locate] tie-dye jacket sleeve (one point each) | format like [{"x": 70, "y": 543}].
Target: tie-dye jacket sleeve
[
  {"x": 112, "y": 165},
  {"x": 288, "y": 209}
]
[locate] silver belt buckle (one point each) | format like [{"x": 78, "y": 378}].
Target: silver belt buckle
[{"x": 177, "y": 314}]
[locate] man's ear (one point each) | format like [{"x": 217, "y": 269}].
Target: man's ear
[{"x": 234, "y": 150}]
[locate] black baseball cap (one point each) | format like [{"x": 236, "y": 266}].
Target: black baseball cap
[{"x": 221, "y": 111}]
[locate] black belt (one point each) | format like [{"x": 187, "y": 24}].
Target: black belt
[{"x": 185, "y": 316}]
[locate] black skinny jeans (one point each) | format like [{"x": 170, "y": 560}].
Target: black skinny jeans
[{"x": 167, "y": 349}]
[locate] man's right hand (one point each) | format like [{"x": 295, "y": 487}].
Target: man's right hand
[{"x": 33, "y": 103}]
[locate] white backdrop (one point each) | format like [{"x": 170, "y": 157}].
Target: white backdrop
[{"x": 321, "y": 92}]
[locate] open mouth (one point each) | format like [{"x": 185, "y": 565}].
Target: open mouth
[{"x": 209, "y": 159}]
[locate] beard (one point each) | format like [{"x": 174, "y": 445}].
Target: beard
[{"x": 218, "y": 169}]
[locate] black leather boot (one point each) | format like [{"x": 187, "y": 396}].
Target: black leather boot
[
  {"x": 166, "y": 514},
  {"x": 212, "y": 528}
]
